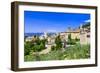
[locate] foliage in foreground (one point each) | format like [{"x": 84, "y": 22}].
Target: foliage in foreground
[
  {"x": 73, "y": 52},
  {"x": 35, "y": 46}
]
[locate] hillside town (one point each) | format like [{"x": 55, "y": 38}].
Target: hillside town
[{"x": 82, "y": 34}]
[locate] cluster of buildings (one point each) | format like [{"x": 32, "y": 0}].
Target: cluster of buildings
[{"x": 80, "y": 33}]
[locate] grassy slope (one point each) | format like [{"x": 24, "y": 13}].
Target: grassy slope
[{"x": 73, "y": 52}]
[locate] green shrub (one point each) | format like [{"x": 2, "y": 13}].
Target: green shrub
[
  {"x": 76, "y": 39},
  {"x": 41, "y": 46},
  {"x": 69, "y": 37},
  {"x": 78, "y": 52},
  {"x": 71, "y": 42},
  {"x": 53, "y": 48},
  {"x": 53, "y": 55},
  {"x": 27, "y": 48},
  {"x": 58, "y": 42},
  {"x": 36, "y": 46}
]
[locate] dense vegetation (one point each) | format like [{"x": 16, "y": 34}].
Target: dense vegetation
[
  {"x": 72, "y": 41},
  {"x": 58, "y": 43},
  {"x": 35, "y": 46},
  {"x": 73, "y": 52}
]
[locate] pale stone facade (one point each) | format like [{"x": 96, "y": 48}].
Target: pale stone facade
[
  {"x": 74, "y": 34},
  {"x": 85, "y": 36}
]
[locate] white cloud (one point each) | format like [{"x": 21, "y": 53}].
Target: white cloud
[{"x": 88, "y": 20}]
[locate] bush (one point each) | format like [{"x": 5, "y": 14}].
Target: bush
[
  {"x": 69, "y": 37},
  {"x": 77, "y": 52},
  {"x": 76, "y": 39},
  {"x": 71, "y": 42},
  {"x": 27, "y": 48},
  {"x": 53, "y": 55},
  {"x": 53, "y": 48},
  {"x": 36, "y": 46},
  {"x": 73, "y": 52},
  {"x": 41, "y": 46},
  {"x": 58, "y": 42}
]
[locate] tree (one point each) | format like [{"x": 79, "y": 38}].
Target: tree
[
  {"x": 27, "y": 48},
  {"x": 76, "y": 39},
  {"x": 53, "y": 48},
  {"x": 70, "y": 40},
  {"x": 38, "y": 45},
  {"x": 69, "y": 37},
  {"x": 44, "y": 41},
  {"x": 38, "y": 41},
  {"x": 58, "y": 42},
  {"x": 41, "y": 47}
]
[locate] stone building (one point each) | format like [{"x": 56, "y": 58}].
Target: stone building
[
  {"x": 80, "y": 33},
  {"x": 74, "y": 34},
  {"x": 85, "y": 35}
]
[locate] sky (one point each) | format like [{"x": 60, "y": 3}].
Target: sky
[{"x": 35, "y": 21}]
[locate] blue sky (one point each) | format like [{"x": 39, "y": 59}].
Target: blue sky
[{"x": 52, "y": 21}]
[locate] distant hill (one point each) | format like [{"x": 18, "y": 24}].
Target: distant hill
[{"x": 38, "y": 34}]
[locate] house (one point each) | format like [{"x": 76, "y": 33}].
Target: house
[
  {"x": 41, "y": 37},
  {"x": 74, "y": 34},
  {"x": 85, "y": 35},
  {"x": 51, "y": 40},
  {"x": 82, "y": 33},
  {"x": 28, "y": 39}
]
